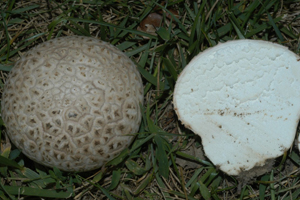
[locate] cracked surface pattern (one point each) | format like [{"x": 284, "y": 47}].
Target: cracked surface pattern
[
  {"x": 72, "y": 102},
  {"x": 242, "y": 97}
]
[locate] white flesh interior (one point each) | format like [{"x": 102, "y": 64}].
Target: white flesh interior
[{"x": 243, "y": 98}]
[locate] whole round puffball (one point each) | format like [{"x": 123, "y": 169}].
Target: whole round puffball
[{"x": 72, "y": 102}]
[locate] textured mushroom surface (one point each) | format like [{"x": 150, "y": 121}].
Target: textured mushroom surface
[
  {"x": 242, "y": 97},
  {"x": 72, "y": 102}
]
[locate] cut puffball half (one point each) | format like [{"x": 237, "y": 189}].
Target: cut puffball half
[{"x": 242, "y": 97}]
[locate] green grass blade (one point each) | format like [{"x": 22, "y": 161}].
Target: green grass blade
[
  {"x": 149, "y": 77},
  {"x": 187, "y": 156},
  {"x": 6, "y": 68},
  {"x": 112, "y": 26},
  {"x": 263, "y": 187},
  {"x": 144, "y": 184},
  {"x": 141, "y": 142},
  {"x": 126, "y": 45},
  {"x": 120, "y": 158},
  {"x": 115, "y": 179},
  {"x": 272, "y": 186},
  {"x": 171, "y": 68},
  {"x": 249, "y": 11},
  {"x": 135, "y": 168},
  {"x": 236, "y": 26},
  {"x": 276, "y": 29},
  {"x": 194, "y": 177},
  {"x": 179, "y": 194},
  {"x": 28, "y": 191},
  {"x": 204, "y": 191},
  {"x": 22, "y": 10},
  {"x": 9, "y": 163},
  {"x": 161, "y": 156},
  {"x": 3, "y": 188}
]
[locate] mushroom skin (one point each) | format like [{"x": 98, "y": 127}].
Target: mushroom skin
[
  {"x": 72, "y": 102},
  {"x": 242, "y": 98}
]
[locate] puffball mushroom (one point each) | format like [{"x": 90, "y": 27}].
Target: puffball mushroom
[
  {"x": 72, "y": 102},
  {"x": 242, "y": 97}
]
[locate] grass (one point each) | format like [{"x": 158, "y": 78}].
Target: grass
[{"x": 165, "y": 160}]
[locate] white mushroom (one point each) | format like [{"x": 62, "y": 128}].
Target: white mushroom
[
  {"x": 242, "y": 97},
  {"x": 72, "y": 102}
]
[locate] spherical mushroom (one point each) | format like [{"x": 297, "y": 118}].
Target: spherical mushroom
[
  {"x": 72, "y": 102},
  {"x": 242, "y": 97}
]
